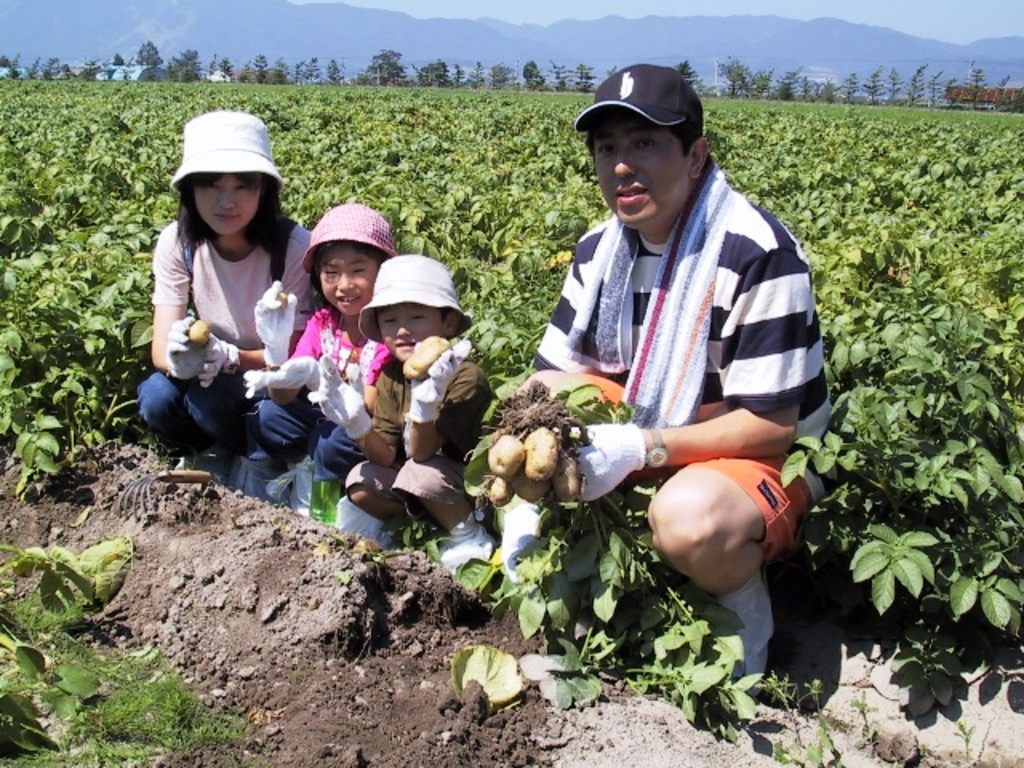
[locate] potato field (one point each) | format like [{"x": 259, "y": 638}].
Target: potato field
[{"x": 913, "y": 221}]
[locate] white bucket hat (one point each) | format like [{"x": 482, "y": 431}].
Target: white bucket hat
[
  {"x": 226, "y": 142},
  {"x": 411, "y": 279}
]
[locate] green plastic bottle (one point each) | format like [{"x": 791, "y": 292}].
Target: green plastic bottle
[{"x": 323, "y": 503}]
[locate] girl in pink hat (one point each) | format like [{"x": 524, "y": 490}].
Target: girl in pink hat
[{"x": 347, "y": 248}]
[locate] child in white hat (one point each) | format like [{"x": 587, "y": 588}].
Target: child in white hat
[
  {"x": 422, "y": 430},
  {"x": 231, "y": 249}
]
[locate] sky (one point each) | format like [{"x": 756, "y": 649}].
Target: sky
[{"x": 952, "y": 21}]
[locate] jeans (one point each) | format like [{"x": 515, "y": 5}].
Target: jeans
[
  {"x": 334, "y": 452},
  {"x": 188, "y": 416},
  {"x": 282, "y": 431}
]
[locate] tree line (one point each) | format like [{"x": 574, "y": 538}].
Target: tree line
[
  {"x": 733, "y": 79},
  {"x": 922, "y": 88}
]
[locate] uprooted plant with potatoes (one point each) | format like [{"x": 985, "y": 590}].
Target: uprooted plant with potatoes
[
  {"x": 533, "y": 452},
  {"x": 592, "y": 583}
]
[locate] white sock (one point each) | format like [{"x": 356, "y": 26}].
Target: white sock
[
  {"x": 465, "y": 529},
  {"x": 752, "y": 604}
]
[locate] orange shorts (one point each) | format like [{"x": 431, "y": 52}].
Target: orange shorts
[{"x": 782, "y": 507}]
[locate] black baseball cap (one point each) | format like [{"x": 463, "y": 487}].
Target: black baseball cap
[{"x": 659, "y": 94}]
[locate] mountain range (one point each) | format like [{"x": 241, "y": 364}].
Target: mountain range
[{"x": 239, "y": 30}]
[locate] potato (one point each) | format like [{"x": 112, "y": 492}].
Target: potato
[
  {"x": 530, "y": 490},
  {"x": 199, "y": 332},
  {"x": 541, "y": 454},
  {"x": 499, "y": 493},
  {"x": 505, "y": 456},
  {"x": 567, "y": 482},
  {"x": 424, "y": 356}
]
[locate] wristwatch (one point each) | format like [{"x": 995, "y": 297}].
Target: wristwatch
[{"x": 657, "y": 453}]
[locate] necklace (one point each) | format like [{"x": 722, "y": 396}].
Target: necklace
[{"x": 357, "y": 348}]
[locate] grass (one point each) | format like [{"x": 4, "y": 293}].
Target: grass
[{"x": 142, "y": 707}]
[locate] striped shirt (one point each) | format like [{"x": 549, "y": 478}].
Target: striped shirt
[{"x": 765, "y": 349}]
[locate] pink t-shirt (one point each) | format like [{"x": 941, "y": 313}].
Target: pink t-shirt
[{"x": 323, "y": 335}]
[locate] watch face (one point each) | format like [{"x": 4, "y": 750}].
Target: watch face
[{"x": 657, "y": 457}]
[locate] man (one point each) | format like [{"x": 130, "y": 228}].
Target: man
[{"x": 701, "y": 305}]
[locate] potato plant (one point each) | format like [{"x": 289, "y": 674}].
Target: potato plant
[
  {"x": 532, "y": 453},
  {"x": 593, "y": 584}
]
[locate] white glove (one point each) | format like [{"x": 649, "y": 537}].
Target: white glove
[
  {"x": 275, "y": 323},
  {"x": 184, "y": 359},
  {"x": 339, "y": 401},
  {"x": 220, "y": 356},
  {"x": 519, "y": 531},
  {"x": 428, "y": 394},
  {"x": 354, "y": 377},
  {"x": 615, "y": 452},
  {"x": 294, "y": 374}
]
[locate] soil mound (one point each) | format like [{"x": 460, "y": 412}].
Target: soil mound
[{"x": 341, "y": 656}]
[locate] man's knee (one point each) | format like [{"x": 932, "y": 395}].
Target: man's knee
[
  {"x": 699, "y": 516},
  {"x": 681, "y": 523}
]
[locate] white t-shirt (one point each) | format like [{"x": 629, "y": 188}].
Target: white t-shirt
[{"x": 225, "y": 292}]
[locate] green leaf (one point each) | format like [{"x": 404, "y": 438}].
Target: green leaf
[
  {"x": 558, "y": 691},
  {"x": 795, "y": 466},
  {"x": 577, "y": 690},
  {"x": 883, "y": 532},
  {"x": 868, "y": 561},
  {"x": 918, "y": 539},
  {"x": 991, "y": 564},
  {"x": 68, "y": 572},
  {"x": 704, "y": 677},
  {"x": 64, "y": 705},
  {"x": 44, "y": 422},
  {"x": 477, "y": 469},
  {"x": 580, "y": 396},
  {"x": 606, "y": 601},
  {"x": 942, "y": 687},
  {"x": 963, "y": 595},
  {"x": 746, "y": 706},
  {"x": 665, "y": 644},
  {"x": 77, "y": 680},
  {"x": 531, "y": 613},
  {"x": 54, "y": 592},
  {"x": 883, "y": 591},
  {"x": 615, "y": 561},
  {"x": 1009, "y": 588},
  {"x": 909, "y": 575},
  {"x": 923, "y": 563},
  {"x": 30, "y": 661},
  {"x": 19, "y": 727},
  {"x": 997, "y": 608},
  {"x": 581, "y": 560},
  {"x": 561, "y": 600}
]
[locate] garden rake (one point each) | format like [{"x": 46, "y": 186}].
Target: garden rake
[{"x": 139, "y": 492}]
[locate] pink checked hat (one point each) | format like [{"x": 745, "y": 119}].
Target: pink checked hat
[{"x": 354, "y": 222}]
